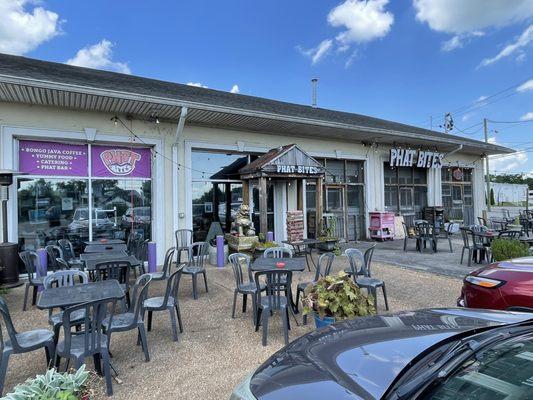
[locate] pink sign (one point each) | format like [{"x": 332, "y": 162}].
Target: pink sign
[
  {"x": 54, "y": 159},
  {"x": 111, "y": 161}
]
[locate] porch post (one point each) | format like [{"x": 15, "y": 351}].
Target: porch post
[
  {"x": 263, "y": 220},
  {"x": 245, "y": 192},
  {"x": 319, "y": 206}
]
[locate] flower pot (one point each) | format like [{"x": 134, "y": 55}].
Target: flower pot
[
  {"x": 327, "y": 245},
  {"x": 322, "y": 322}
]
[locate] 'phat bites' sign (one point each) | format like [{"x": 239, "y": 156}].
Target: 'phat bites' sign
[
  {"x": 297, "y": 169},
  {"x": 415, "y": 158}
]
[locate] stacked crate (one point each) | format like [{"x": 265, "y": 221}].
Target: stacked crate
[{"x": 295, "y": 225}]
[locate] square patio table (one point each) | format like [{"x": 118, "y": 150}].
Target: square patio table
[
  {"x": 91, "y": 259},
  {"x": 269, "y": 264},
  {"x": 67, "y": 296}
]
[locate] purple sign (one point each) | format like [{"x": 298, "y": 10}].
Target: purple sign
[
  {"x": 55, "y": 159},
  {"x": 111, "y": 161}
]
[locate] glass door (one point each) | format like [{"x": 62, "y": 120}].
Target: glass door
[{"x": 334, "y": 207}]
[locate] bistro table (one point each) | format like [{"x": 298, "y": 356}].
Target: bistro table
[
  {"x": 304, "y": 247},
  {"x": 91, "y": 259},
  {"x": 67, "y": 296}
]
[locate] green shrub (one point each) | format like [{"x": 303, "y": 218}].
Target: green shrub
[
  {"x": 338, "y": 297},
  {"x": 505, "y": 249},
  {"x": 51, "y": 386}
]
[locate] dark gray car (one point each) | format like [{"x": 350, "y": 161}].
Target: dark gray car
[{"x": 429, "y": 354}]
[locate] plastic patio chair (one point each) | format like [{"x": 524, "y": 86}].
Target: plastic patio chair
[
  {"x": 165, "y": 271},
  {"x": 32, "y": 263},
  {"x": 509, "y": 235},
  {"x": 168, "y": 302},
  {"x": 366, "y": 281},
  {"x": 325, "y": 261},
  {"x": 465, "y": 232},
  {"x": 353, "y": 265},
  {"x": 119, "y": 270},
  {"x": 68, "y": 254},
  {"x": 426, "y": 233},
  {"x": 133, "y": 318},
  {"x": 406, "y": 236},
  {"x": 23, "y": 342},
  {"x": 277, "y": 298},
  {"x": 184, "y": 239},
  {"x": 90, "y": 340},
  {"x": 54, "y": 252},
  {"x": 277, "y": 252},
  {"x": 195, "y": 266},
  {"x": 238, "y": 260}
]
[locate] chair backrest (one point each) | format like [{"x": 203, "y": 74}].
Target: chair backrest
[
  {"x": 355, "y": 258},
  {"x": 278, "y": 285},
  {"x": 238, "y": 260},
  {"x": 183, "y": 238},
  {"x": 65, "y": 278},
  {"x": 277, "y": 252},
  {"x": 173, "y": 285},
  {"x": 140, "y": 292},
  {"x": 8, "y": 322},
  {"x": 32, "y": 262},
  {"x": 464, "y": 234},
  {"x": 198, "y": 248},
  {"x": 509, "y": 235},
  {"x": 119, "y": 270},
  {"x": 133, "y": 242},
  {"x": 425, "y": 230},
  {"x": 141, "y": 252},
  {"x": 323, "y": 267},
  {"x": 369, "y": 253},
  {"x": 67, "y": 248},
  {"x": 91, "y": 325},
  {"x": 482, "y": 221},
  {"x": 54, "y": 252},
  {"x": 169, "y": 256}
]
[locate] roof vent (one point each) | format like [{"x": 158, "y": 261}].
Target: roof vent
[{"x": 314, "y": 83}]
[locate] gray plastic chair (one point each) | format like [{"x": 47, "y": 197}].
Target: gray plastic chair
[
  {"x": 238, "y": 260},
  {"x": 54, "y": 252},
  {"x": 277, "y": 252},
  {"x": 325, "y": 261},
  {"x": 195, "y": 265},
  {"x": 68, "y": 254},
  {"x": 90, "y": 340},
  {"x": 426, "y": 233},
  {"x": 168, "y": 302},
  {"x": 369, "y": 253},
  {"x": 276, "y": 298},
  {"x": 23, "y": 342},
  {"x": 406, "y": 236},
  {"x": 366, "y": 281},
  {"x": 141, "y": 254},
  {"x": 183, "y": 241},
  {"x": 133, "y": 318},
  {"x": 119, "y": 270},
  {"x": 165, "y": 271},
  {"x": 32, "y": 263}
]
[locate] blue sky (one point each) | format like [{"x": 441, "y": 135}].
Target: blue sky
[{"x": 404, "y": 60}]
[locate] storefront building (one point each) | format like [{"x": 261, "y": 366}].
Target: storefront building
[{"x": 104, "y": 154}]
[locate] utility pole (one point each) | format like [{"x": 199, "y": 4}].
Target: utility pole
[{"x": 487, "y": 174}]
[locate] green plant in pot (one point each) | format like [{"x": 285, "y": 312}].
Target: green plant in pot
[
  {"x": 336, "y": 298},
  {"x": 330, "y": 242}
]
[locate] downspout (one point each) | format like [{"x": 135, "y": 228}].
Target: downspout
[
  {"x": 459, "y": 148},
  {"x": 175, "y": 169}
]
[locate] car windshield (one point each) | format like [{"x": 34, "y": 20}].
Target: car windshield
[{"x": 504, "y": 371}]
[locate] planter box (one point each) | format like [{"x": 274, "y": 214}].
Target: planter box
[{"x": 241, "y": 243}]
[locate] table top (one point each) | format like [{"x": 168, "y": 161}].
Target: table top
[
  {"x": 269, "y": 264},
  {"x": 95, "y": 258},
  {"x": 100, "y": 256},
  {"x": 485, "y": 234},
  {"x": 66, "y": 296},
  {"x": 107, "y": 242}
]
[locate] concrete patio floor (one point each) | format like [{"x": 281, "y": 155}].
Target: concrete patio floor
[{"x": 216, "y": 352}]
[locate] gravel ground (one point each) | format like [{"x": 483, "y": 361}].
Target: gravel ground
[{"x": 215, "y": 351}]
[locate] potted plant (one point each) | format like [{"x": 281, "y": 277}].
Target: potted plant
[
  {"x": 336, "y": 298},
  {"x": 330, "y": 242},
  {"x": 55, "y": 385},
  {"x": 506, "y": 249}
]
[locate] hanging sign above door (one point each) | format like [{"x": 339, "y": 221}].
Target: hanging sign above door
[{"x": 415, "y": 158}]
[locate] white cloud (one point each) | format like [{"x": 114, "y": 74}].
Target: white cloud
[
  {"x": 467, "y": 116},
  {"x": 520, "y": 58},
  {"x": 524, "y": 87},
  {"x": 235, "y": 89},
  {"x": 527, "y": 116},
  {"x": 99, "y": 56},
  {"x": 481, "y": 99},
  {"x": 23, "y": 30},
  {"x": 506, "y": 163},
  {"x": 196, "y": 84},
  {"x": 522, "y": 41},
  {"x": 364, "y": 20},
  {"x": 466, "y": 19},
  {"x": 318, "y": 52},
  {"x": 350, "y": 59}
]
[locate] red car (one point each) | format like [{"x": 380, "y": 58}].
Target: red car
[{"x": 499, "y": 286}]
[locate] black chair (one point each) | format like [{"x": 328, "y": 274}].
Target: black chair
[
  {"x": 54, "y": 252},
  {"x": 195, "y": 265},
  {"x": 90, "y": 340},
  {"x": 133, "y": 318},
  {"x": 407, "y": 236},
  {"x": 363, "y": 277},
  {"x": 168, "y": 302},
  {"x": 32, "y": 263},
  {"x": 141, "y": 255},
  {"x": 165, "y": 271},
  {"x": 133, "y": 242},
  {"x": 479, "y": 244},
  {"x": 426, "y": 233},
  {"x": 68, "y": 254},
  {"x": 238, "y": 260},
  {"x": 23, "y": 342},
  {"x": 277, "y": 298},
  {"x": 119, "y": 270},
  {"x": 467, "y": 246},
  {"x": 184, "y": 239},
  {"x": 509, "y": 235},
  {"x": 325, "y": 261}
]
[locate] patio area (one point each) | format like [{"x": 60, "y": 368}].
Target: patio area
[{"x": 215, "y": 351}]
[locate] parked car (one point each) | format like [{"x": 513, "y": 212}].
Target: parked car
[
  {"x": 136, "y": 216},
  {"x": 499, "y": 286},
  {"x": 80, "y": 220},
  {"x": 428, "y": 354}
]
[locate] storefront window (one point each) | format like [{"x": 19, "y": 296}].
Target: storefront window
[{"x": 405, "y": 190}]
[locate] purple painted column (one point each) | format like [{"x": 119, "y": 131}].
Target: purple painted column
[
  {"x": 152, "y": 257},
  {"x": 43, "y": 264},
  {"x": 220, "y": 251},
  {"x": 270, "y": 236}
]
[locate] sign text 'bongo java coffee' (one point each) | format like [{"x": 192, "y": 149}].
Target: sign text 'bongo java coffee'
[
  {"x": 415, "y": 158},
  {"x": 110, "y": 161}
]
